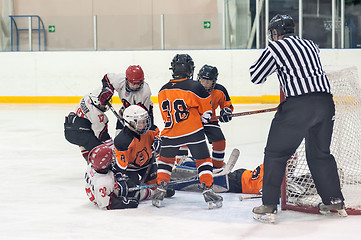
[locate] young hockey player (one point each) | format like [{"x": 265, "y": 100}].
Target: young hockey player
[
  {"x": 131, "y": 88},
  {"x": 184, "y": 105},
  {"x": 101, "y": 186},
  {"x": 136, "y": 147},
  {"x": 239, "y": 181},
  {"x": 307, "y": 113},
  {"x": 207, "y": 76},
  {"x": 88, "y": 125}
]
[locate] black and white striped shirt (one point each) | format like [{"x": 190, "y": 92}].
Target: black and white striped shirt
[{"x": 298, "y": 66}]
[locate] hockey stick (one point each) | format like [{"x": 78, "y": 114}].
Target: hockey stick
[
  {"x": 228, "y": 168},
  {"x": 249, "y": 196},
  {"x": 247, "y": 113},
  {"x": 121, "y": 120}
]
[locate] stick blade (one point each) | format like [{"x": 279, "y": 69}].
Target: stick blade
[
  {"x": 230, "y": 164},
  {"x": 232, "y": 160}
]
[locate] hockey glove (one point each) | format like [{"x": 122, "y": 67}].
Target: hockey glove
[
  {"x": 106, "y": 83},
  {"x": 105, "y": 95},
  {"x": 157, "y": 143},
  {"x": 122, "y": 179},
  {"x": 206, "y": 117},
  {"x": 116, "y": 202},
  {"x": 225, "y": 115}
]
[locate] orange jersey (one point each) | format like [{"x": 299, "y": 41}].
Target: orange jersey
[
  {"x": 182, "y": 103},
  {"x": 220, "y": 98},
  {"x": 252, "y": 181},
  {"x": 133, "y": 150}
]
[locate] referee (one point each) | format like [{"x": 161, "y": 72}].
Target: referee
[{"x": 308, "y": 112}]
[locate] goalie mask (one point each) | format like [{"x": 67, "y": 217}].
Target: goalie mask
[
  {"x": 283, "y": 24},
  {"x": 182, "y": 66},
  {"x": 101, "y": 157},
  {"x": 137, "y": 119},
  {"x": 134, "y": 76},
  {"x": 207, "y": 76}
]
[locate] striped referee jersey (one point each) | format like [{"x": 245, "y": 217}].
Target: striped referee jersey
[{"x": 298, "y": 66}]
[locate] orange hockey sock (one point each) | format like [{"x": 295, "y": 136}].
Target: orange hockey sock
[
  {"x": 165, "y": 166},
  {"x": 205, "y": 171},
  {"x": 218, "y": 153}
]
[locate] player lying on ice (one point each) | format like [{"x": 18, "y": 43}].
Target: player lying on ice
[
  {"x": 134, "y": 164},
  {"x": 101, "y": 187},
  {"x": 247, "y": 182},
  {"x": 238, "y": 181}
]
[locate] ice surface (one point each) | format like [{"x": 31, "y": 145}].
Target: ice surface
[{"x": 43, "y": 197}]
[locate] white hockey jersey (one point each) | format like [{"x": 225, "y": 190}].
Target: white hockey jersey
[
  {"x": 142, "y": 96},
  {"x": 98, "y": 119},
  {"x": 99, "y": 186}
]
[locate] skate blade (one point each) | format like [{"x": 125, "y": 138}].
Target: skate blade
[
  {"x": 265, "y": 218},
  {"x": 339, "y": 213},
  {"x": 157, "y": 203},
  {"x": 212, "y": 205}
]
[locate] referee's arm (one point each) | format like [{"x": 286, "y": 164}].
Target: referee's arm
[{"x": 263, "y": 67}]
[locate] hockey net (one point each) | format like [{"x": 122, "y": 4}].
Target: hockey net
[{"x": 298, "y": 190}]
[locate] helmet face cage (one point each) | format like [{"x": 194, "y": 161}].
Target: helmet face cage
[
  {"x": 209, "y": 73},
  {"x": 101, "y": 157},
  {"x": 130, "y": 89},
  {"x": 134, "y": 75},
  {"x": 283, "y": 24},
  {"x": 137, "y": 119},
  {"x": 182, "y": 66}
]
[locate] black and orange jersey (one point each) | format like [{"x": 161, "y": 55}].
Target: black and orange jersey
[
  {"x": 133, "y": 150},
  {"x": 252, "y": 181},
  {"x": 220, "y": 98},
  {"x": 182, "y": 103}
]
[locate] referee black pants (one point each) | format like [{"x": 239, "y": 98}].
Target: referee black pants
[{"x": 311, "y": 117}]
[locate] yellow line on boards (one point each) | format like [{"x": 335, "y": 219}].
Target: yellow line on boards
[{"x": 75, "y": 99}]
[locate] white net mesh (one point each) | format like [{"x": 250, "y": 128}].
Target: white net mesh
[{"x": 345, "y": 146}]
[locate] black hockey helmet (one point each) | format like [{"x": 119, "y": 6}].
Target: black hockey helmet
[
  {"x": 182, "y": 66},
  {"x": 283, "y": 24},
  {"x": 209, "y": 73}
]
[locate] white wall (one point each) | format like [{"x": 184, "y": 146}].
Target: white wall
[{"x": 78, "y": 72}]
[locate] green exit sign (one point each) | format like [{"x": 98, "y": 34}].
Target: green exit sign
[
  {"x": 206, "y": 24},
  {"x": 51, "y": 28}
]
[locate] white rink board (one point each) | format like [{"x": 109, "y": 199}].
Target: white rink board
[{"x": 75, "y": 73}]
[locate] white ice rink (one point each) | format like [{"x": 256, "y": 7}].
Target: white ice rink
[{"x": 43, "y": 197}]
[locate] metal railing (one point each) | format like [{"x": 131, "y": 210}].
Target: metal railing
[{"x": 15, "y": 30}]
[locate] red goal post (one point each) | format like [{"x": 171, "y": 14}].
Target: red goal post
[{"x": 298, "y": 192}]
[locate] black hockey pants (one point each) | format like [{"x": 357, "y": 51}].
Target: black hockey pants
[{"x": 311, "y": 117}]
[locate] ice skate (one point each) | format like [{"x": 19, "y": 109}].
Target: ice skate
[
  {"x": 159, "y": 194},
  {"x": 212, "y": 199},
  {"x": 336, "y": 205},
  {"x": 265, "y": 213}
]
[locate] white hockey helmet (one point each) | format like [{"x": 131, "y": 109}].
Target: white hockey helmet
[{"x": 137, "y": 119}]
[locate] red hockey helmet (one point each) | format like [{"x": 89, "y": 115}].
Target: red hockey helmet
[
  {"x": 135, "y": 74},
  {"x": 100, "y": 157}
]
